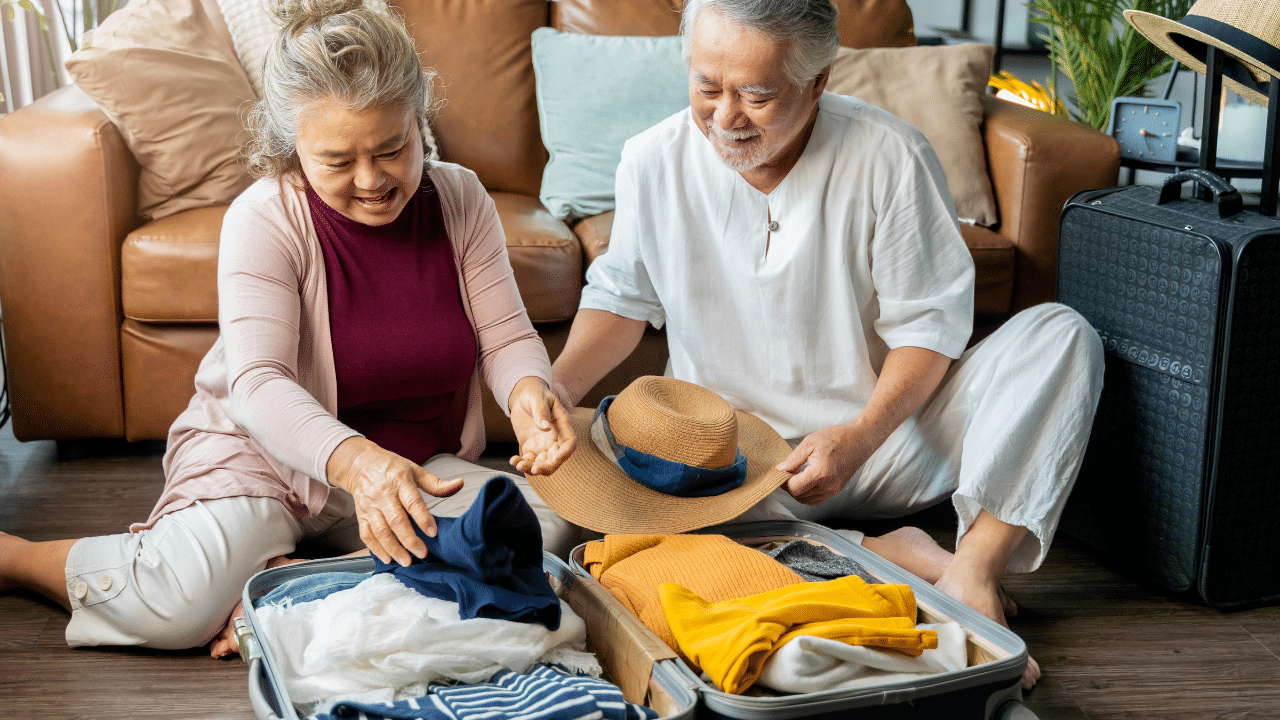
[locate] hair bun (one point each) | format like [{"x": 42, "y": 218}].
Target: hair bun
[{"x": 298, "y": 15}]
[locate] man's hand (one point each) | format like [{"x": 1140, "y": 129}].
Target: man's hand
[
  {"x": 833, "y": 454},
  {"x": 385, "y": 488},
  {"x": 542, "y": 428}
]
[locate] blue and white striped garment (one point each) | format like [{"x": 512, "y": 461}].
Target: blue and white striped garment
[{"x": 544, "y": 693}]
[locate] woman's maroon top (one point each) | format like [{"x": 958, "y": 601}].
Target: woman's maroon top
[{"x": 403, "y": 348}]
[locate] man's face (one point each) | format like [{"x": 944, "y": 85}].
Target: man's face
[{"x": 741, "y": 98}]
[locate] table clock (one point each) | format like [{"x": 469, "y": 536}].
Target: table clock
[{"x": 1146, "y": 128}]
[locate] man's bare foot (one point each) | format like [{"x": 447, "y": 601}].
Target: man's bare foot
[
  {"x": 985, "y": 597},
  {"x": 915, "y": 551},
  {"x": 1007, "y": 604}
]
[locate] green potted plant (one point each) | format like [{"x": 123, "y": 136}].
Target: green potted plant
[{"x": 1091, "y": 43}]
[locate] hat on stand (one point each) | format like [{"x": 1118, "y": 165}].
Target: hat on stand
[
  {"x": 1247, "y": 31},
  {"x": 663, "y": 456}
]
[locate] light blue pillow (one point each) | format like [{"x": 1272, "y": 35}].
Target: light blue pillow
[{"x": 595, "y": 92}]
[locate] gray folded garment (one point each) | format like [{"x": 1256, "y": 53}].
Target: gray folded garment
[{"x": 816, "y": 563}]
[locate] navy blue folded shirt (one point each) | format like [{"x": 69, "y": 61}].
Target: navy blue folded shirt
[{"x": 488, "y": 560}]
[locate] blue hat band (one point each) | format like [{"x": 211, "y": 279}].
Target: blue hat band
[{"x": 665, "y": 476}]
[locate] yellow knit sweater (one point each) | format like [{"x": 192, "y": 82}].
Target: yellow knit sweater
[{"x": 632, "y": 567}]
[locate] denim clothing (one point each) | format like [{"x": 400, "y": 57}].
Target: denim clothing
[{"x": 310, "y": 587}]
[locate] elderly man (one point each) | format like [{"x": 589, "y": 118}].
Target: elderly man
[{"x": 804, "y": 254}]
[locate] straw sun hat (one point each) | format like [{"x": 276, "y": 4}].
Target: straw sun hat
[
  {"x": 1248, "y": 31},
  {"x": 690, "y": 461}
]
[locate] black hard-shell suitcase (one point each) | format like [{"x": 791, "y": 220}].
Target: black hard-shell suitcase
[
  {"x": 630, "y": 660},
  {"x": 989, "y": 689},
  {"x": 1181, "y": 478}
]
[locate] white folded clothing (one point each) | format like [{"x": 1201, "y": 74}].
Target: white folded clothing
[
  {"x": 381, "y": 634},
  {"x": 809, "y": 664}
]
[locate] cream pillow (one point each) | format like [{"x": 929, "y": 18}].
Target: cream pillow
[
  {"x": 938, "y": 89},
  {"x": 166, "y": 74},
  {"x": 253, "y": 27}
]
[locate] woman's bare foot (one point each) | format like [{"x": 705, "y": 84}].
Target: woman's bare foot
[{"x": 225, "y": 642}]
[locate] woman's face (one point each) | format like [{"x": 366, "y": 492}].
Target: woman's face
[{"x": 365, "y": 164}]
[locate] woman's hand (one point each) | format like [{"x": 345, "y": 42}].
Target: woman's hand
[
  {"x": 542, "y": 428},
  {"x": 385, "y": 488}
]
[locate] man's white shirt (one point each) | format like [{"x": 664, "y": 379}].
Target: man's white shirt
[{"x": 786, "y": 304}]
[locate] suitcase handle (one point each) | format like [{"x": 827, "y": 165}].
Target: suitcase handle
[
  {"x": 1224, "y": 195},
  {"x": 261, "y": 707}
]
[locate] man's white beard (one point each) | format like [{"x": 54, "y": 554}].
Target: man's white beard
[{"x": 740, "y": 158}]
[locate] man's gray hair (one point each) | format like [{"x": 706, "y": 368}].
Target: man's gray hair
[
  {"x": 809, "y": 26},
  {"x": 351, "y": 52}
]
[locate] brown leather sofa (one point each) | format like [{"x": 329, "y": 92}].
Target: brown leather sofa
[{"x": 106, "y": 319}]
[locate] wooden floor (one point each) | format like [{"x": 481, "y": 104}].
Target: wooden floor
[{"x": 1110, "y": 648}]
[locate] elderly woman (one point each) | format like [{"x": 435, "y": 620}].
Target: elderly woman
[{"x": 363, "y": 295}]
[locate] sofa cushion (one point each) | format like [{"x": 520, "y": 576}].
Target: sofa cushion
[
  {"x": 939, "y": 90},
  {"x": 166, "y": 74},
  {"x": 158, "y": 362},
  {"x": 594, "y": 92},
  {"x": 169, "y": 267},
  {"x": 545, "y": 256},
  {"x": 861, "y": 23},
  {"x": 488, "y": 120}
]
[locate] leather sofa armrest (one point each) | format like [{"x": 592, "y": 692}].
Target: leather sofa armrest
[
  {"x": 68, "y": 197},
  {"x": 1037, "y": 161}
]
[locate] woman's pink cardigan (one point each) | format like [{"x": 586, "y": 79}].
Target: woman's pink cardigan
[{"x": 263, "y": 421}]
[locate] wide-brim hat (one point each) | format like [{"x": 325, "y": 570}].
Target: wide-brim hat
[
  {"x": 667, "y": 434},
  {"x": 1248, "y": 31}
]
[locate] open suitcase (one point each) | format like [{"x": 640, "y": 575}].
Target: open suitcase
[
  {"x": 630, "y": 660},
  {"x": 1181, "y": 478},
  {"x": 989, "y": 688}
]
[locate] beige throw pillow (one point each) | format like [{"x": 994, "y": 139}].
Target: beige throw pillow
[
  {"x": 166, "y": 74},
  {"x": 938, "y": 89}
]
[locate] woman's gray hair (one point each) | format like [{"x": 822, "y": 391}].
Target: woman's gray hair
[
  {"x": 809, "y": 26},
  {"x": 358, "y": 55}
]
